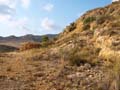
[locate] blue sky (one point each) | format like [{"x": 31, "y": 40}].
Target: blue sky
[{"x": 20, "y": 17}]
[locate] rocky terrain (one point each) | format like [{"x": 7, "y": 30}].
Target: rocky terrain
[
  {"x": 33, "y": 73},
  {"x": 85, "y": 56}
]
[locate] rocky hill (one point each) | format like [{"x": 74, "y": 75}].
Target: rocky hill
[
  {"x": 85, "y": 56},
  {"x": 97, "y": 29}
]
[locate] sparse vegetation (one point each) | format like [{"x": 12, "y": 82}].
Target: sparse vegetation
[{"x": 101, "y": 19}]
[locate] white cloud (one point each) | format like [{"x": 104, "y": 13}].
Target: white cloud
[
  {"x": 4, "y": 18},
  {"x": 48, "y": 7},
  {"x": 18, "y": 23},
  {"x": 7, "y": 7},
  {"x": 114, "y": 0},
  {"x": 4, "y": 1},
  {"x": 47, "y": 24},
  {"x": 8, "y": 17},
  {"x": 7, "y": 12},
  {"x": 25, "y": 3},
  {"x": 16, "y": 26},
  {"x": 10, "y": 3}
]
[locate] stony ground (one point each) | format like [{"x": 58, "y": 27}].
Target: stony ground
[{"x": 19, "y": 73}]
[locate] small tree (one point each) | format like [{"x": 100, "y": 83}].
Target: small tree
[{"x": 45, "y": 38}]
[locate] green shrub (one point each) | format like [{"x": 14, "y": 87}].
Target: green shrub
[
  {"x": 89, "y": 20},
  {"x": 45, "y": 38}
]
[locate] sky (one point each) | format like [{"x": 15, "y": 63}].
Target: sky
[{"x": 38, "y": 17}]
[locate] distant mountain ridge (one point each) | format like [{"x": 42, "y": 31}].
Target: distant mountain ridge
[{"x": 26, "y": 38}]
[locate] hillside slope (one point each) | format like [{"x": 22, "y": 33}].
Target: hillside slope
[{"x": 97, "y": 29}]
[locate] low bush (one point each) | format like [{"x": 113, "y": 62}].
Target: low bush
[
  {"x": 101, "y": 19},
  {"x": 88, "y": 20},
  {"x": 29, "y": 45},
  {"x": 72, "y": 27},
  {"x": 82, "y": 57},
  {"x": 75, "y": 56}
]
